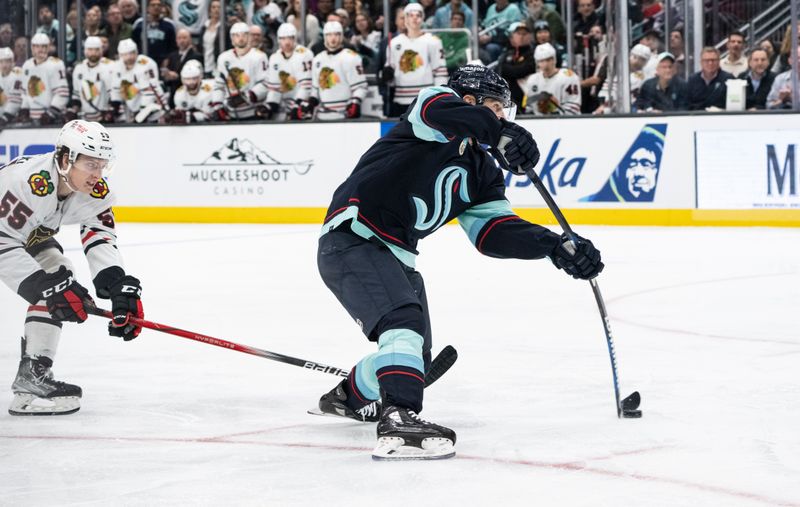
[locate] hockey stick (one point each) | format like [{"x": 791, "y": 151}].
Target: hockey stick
[
  {"x": 628, "y": 407},
  {"x": 443, "y": 361}
]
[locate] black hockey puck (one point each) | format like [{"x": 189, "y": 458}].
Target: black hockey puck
[{"x": 631, "y": 414}]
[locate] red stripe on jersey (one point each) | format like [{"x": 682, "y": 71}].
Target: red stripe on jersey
[{"x": 506, "y": 219}]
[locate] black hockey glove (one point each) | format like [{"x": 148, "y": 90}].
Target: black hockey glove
[
  {"x": 387, "y": 75},
  {"x": 581, "y": 260},
  {"x": 517, "y": 149},
  {"x": 273, "y": 110},
  {"x": 125, "y": 295},
  {"x": 65, "y": 298},
  {"x": 24, "y": 116},
  {"x": 50, "y": 117}
]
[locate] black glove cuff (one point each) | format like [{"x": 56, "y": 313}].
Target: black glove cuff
[{"x": 106, "y": 279}]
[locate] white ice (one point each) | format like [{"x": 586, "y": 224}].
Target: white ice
[{"x": 705, "y": 322}]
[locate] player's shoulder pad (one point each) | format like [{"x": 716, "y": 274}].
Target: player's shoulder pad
[
  {"x": 300, "y": 50},
  {"x": 17, "y": 71},
  {"x": 567, "y": 72},
  {"x": 350, "y": 52},
  {"x": 206, "y": 86},
  {"x": 106, "y": 60},
  {"x": 180, "y": 89},
  {"x": 54, "y": 59},
  {"x": 143, "y": 60}
]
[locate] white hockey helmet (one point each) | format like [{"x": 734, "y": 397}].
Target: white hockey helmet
[
  {"x": 414, "y": 7},
  {"x": 93, "y": 43},
  {"x": 127, "y": 46},
  {"x": 88, "y": 138},
  {"x": 40, "y": 39},
  {"x": 6, "y": 54},
  {"x": 641, "y": 51},
  {"x": 240, "y": 27},
  {"x": 191, "y": 69},
  {"x": 332, "y": 27},
  {"x": 287, "y": 30},
  {"x": 544, "y": 51}
]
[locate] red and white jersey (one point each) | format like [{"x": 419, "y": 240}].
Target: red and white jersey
[
  {"x": 241, "y": 75},
  {"x": 289, "y": 79},
  {"x": 198, "y": 104},
  {"x": 11, "y": 92},
  {"x": 91, "y": 86},
  {"x": 337, "y": 79},
  {"x": 31, "y": 212},
  {"x": 563, "y": 86},
  {"x": 138, "y": 87},
  {"x": 418, "y": 63},
  {"x": 44, "y": 86}
]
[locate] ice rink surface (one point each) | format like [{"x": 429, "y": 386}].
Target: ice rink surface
[{"x": 705, "y": 322}]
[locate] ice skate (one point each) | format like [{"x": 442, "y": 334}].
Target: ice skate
[
  {"x": 335, "y": 403},
  {"x": 37, "y": 393},
  {"x": 403, "y": 435}
]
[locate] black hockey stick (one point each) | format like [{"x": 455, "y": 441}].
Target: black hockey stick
[
  {"x": 628, "y": 407},
  {"x": 443, "y": 361}
]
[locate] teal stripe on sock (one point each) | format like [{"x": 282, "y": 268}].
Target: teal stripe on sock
[
  {"x": 366, "y": 380},
  {"x": 401, "y": 347}
]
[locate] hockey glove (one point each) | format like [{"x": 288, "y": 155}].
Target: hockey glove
[
  {"x": 353, "y": 110},
  {"x": 70, "y": 114},
  {"x": 517, "y": 149},
  {"x": 387, "y": 75},
  {"x": 65, "y": 298},
  {"x": 580, "y": 260},
  {"x": 24, "y": 116},
  {"x": 125, "y": 295},
  {"x": 235, "y": 101},
  {"x": 262, "y": 112},
  {"x": 220, "y": 114},
  {"x": 273, "y": 110}
]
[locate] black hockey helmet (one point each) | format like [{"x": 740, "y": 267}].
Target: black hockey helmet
[{"x": 481, "y": 82}]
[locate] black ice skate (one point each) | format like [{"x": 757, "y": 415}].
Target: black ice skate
[
  {"x": 36, "y": 393},
  {"x": 403, "y": 435},
  {"x": 335, "y": 403}
]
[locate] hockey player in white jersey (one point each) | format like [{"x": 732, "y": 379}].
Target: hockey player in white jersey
[
  {"x": 240, "y": 85},
  {"x": 10, "y": 87},
  {"x": 193, "y": 98},
  {"x": 338, "y": 84},
  {"x": 92, "y": 81},
  {"x": 136, "y": 85},
  {"x": 289, "y": 76},
  {"x": 44, "y": 84},
  {"x": 552, "y": 91},
  {"x": 415, "y": 60},
  {"x": 38, "y": 195}
]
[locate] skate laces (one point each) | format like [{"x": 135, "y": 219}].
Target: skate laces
[{"x": 415, "y": 416}]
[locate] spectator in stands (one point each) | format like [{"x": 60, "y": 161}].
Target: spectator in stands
[
  {"x": 6, "y": 35},
  {"x": 116, "y": 28},
  {"x": 160, "y": 32},
  {"x": 542, "y": 35},
  {"x": 780, "y": 95},
  {"x": 209, "y": 37},
  {"x": 552, "y": 91},
  {"x": 48, "y": 25},
  {"x": 593, "y": 71},
  {"x": 93, "y": 23},
  {"x": 759, "y": 79},
  {"x": 352, "y": 10},
  {"x": 312, "y": 23},
  {"x": 652, "y": 40},
  {"x": 676, "y": 48},
  {"x": 324, "y": 8},
  {"x": 707, "y": 88},
  {"x": 442, "y": 17},
  {"x": 782, "y": 61},
  {"x": 735, "y": 63},
  {"x": 769, "y": 46},
  {"x": 538, "y": 11},
  {"x": 429, "y": 9},
  {"x": 258, "y": 41},
  {"x": 638, "y": 59},
  {"x": 664, "y": 92},
  {"x": 172, "y": 65},
  {"x": 387, "y": 91},
  {"x": 585, "y": 17},
  {"x": 457, "y": 19},
  {"x": 516, "y": 65},
  {"x": 366, "y": 39},
  {"x": 501, "y": 15},
  {"x": 20, "y": 50},
  {"x": 268, "y": 16},
  {"x": 130, "y": 11}
]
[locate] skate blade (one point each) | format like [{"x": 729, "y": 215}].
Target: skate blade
[
  {"x": 30, "y": 404},
  {"x": 394, "y": 449},
  {"x": 316, "y": 411}
]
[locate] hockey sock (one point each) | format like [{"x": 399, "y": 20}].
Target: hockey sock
[
  {"x": 399, "y": 368},
  {"x": 42, "y": 333}
]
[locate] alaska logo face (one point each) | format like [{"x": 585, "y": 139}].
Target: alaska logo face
[
  {"x": 35, "y": 86},
  {"x": 288, "y": 82},
  {"x": 128, "y": 90},
  {"x": 636, "y": 176},
  {"x": 450, "y": 181},
  {"x": 100, "y": 190},
  {"x": 410, "y": 61},
  {"x": 40, "y": 184},
  {"x": 328, "y": 78}
]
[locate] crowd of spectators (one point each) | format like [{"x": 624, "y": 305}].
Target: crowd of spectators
[{"x": 525, "y": 40}]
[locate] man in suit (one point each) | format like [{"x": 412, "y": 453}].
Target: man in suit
[
  {"x": 759, "y": 79},
  {"x": 172, "y": 65}
]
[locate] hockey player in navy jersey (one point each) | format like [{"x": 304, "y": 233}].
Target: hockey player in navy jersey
[{"x": 439, "y": 163}]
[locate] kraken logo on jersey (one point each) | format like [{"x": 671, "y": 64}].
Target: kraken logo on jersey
[
  {"x": 238, "y": 78},
  {"x": 451, "y": 180},
  {"x": 187, "y": 13},
  {"x": 40, "y": 184},
  {"x": 100, "y": 190},
  {"x": 328, "y": 78},
  {"x": 288, "y": 81},
  {"x": 35, "y": 86},
  {"x": 128, "y": 90},
  {"x": 410, "y": 61},
  {"x": 636, "y": 176}
]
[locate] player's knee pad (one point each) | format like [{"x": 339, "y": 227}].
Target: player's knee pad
[{"x": 405, "y": 317}]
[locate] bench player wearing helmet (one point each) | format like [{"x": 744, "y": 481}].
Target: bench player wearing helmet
[
  {"x": 38, "y": 195},
  {"x": 439, "y": 163}
]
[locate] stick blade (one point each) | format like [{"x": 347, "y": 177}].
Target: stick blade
[
  {"x": 632, "y": 401},
  {"x": 440, "y": 364}
]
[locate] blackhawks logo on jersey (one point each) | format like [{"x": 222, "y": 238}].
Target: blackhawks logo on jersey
[
  {"x": 3, "y": 98},
  {"x": 410, "y": 61},
  {"x": 35, "y": 86},
  {"x": 238, "y": 78},
  {"x": 100, "y": 190},
  {"x": 288, "y": 82},
  {"x": 328, "y": 78},
  {"x": 89, "y": 90},
  {"x": 128, "y": 90},
  {"x": 40, "y": 184}
]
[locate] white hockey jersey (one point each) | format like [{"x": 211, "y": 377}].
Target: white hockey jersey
[
  {"x": 11, "y": 92},
  {"x": 197, "y": 105},
  {"x": 241, "y": 74},
  {"x": 44, "y": 86},
  {"x": 563, "y": 86},
  {"x": 31, "y": 213},
  {"x": 91, "y": 86},
  {"x": 289, "y": 79},
  {"x": 418, "y": 63},
  {"x": 138, "y": 87},
  {"x": 336, "y": 80}
]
